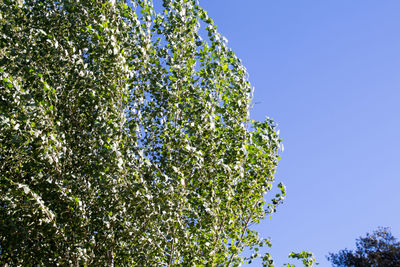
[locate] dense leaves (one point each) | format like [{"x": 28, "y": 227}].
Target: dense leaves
[
  {"x": 380, "y": 248},
  {"x": 125, "y": 137}
]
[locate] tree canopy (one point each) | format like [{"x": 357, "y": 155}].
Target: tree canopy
[
  {"x": 380, "y": 248},
  {"x": 125, "y": 137}
]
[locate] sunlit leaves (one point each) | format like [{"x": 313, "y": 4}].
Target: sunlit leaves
[{"x": 125, "y": 137}]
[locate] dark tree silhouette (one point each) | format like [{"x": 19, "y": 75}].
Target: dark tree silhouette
[{"x": 380, "y": 248}]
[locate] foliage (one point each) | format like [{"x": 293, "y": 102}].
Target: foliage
[
  {"x": 306, "y": 257},
  {"x": 380, "y": 248},
  {"x": 125, "y": 137}
]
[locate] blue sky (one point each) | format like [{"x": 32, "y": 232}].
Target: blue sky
[{"x": 328, "y": 73}]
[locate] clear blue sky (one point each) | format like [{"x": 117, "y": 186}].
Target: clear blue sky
[{"x": 328, "y": 73}]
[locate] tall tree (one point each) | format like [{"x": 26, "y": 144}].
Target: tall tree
[
  {"x": 125, "y": 137},
  {"x": 380, "y": 248}
]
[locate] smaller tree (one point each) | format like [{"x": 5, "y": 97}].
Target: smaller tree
[{"x": 380, "y": 248}]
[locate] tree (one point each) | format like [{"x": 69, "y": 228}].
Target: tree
[
  {"x": 380, "y": 248},
  {"x": 125, "y": 137},
  {"x": 306, "y": 257}
]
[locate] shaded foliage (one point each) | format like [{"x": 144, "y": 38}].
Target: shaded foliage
[
  {"x": 380, "y": 248},
  {"x": 125, "y": 137}
]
